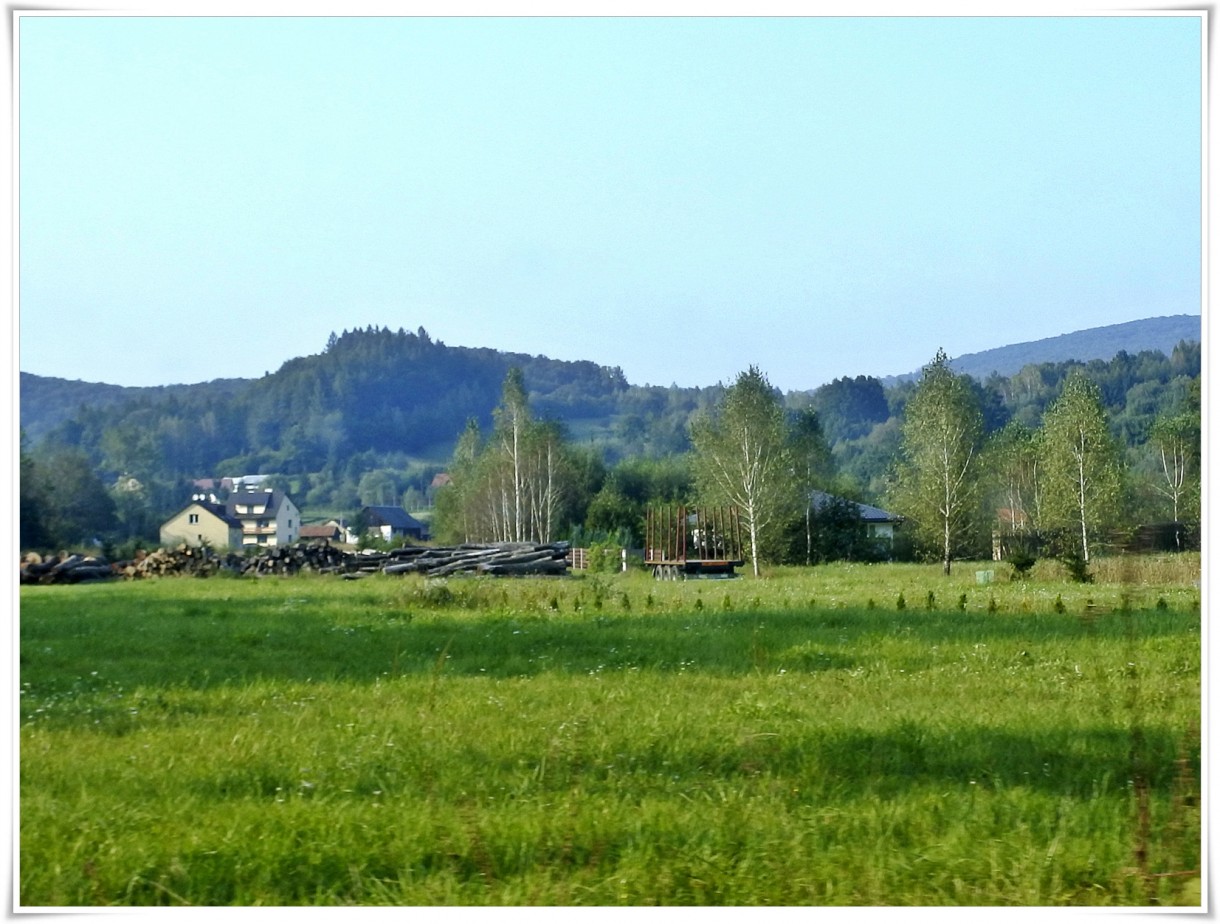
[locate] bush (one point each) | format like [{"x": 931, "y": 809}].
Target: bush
[
  {"x": 1022, "y": 561},
  {"x": 605, "y": 558}
]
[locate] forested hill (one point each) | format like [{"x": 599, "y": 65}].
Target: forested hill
[
  {"x": 47, "y": 401},
  {"x": 1133, "y": 337},
  {"x": 393, "y": 405},
  {"x": 369, "y": 391},
  {"x": 376, "y": 398},
  {"x": 392, "y": 379}
]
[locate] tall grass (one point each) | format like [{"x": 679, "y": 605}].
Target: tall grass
[{"x": 611, "y": 740}]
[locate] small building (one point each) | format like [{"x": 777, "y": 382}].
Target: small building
[
  {"x": 879, "y": 524},
  {"x": 332, "y": 530},
  {"x": 392, "y": 523},
  {"x": 248, "y": 518},
  {"x": 267, "y": 517},
  {"x": 202, "y": 522}
]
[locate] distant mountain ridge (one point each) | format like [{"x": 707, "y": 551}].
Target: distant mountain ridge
[{"x": 1102, "y": 343}]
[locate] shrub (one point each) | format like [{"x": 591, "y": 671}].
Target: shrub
[{"x": 1022, "y": 561}]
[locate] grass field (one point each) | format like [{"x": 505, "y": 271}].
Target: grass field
[{"x": 805, "y": 739}]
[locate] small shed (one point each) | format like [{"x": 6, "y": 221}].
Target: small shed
[
  {"x": 391, "y": 523},
  {"x": 331, "y": 532}
]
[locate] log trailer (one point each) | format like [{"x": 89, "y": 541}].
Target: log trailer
[{"x": 692, "y": 542}]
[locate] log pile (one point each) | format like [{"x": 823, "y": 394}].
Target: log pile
[
  {"x": 317, "y": 555},
  {"x": 519, "y": 558},
  {"x": 63, "y": 569},
  {"x": 195, "y": 561}
]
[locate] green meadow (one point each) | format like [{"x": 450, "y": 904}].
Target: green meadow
[{"x": 843, "y": 735}]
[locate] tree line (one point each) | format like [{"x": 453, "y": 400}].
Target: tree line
[
  {"x": 117, "y": 472},
  {"x": 956, "y": 484}
]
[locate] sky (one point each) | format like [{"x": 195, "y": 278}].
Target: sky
[{"x": 679, "y": 196}]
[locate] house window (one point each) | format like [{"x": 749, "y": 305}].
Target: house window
[{"x": 193, "y": 518}]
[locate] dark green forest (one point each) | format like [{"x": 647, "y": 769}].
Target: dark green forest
[{"x": 375, "y": 416}]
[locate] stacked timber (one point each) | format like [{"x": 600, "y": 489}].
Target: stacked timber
[
  {"x": 317, "y": 555},
  {"x": 512, "y": 558},
  {"x": 518, "y": 558},
  {"x": 191, "y": 560},
  {"x": 63, "y": 569}
]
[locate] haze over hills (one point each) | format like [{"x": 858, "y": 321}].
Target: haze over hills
[{"x": 1103, "y": 343}]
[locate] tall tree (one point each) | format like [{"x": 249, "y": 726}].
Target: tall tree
[
  {"x": 742, "y": 456},
  {"x": 78, "y": 508},
  {"x": 937, "y": 477},
  {"x": 812, "y": 464},
  {"x": 452, "y": 516},
  {"x": 1175, "y": 440},
  {"x": 513, "y": 420},
  {"x": 34, "y": 533},
  {"x": 513, "y": 487},
  {"x": 1012, "y": 462},
  {"x": 1083, "y": 475}
]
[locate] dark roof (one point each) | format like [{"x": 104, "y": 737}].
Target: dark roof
[
  {"x": 272, "y": 500},
  {"x": 868, "y": 513},
  {"x": 394, "y": 517},
  {"x": 217, "y": 510}
]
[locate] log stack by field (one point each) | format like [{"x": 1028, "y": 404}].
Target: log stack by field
[
  {"x": 195, "y": 561},
  {"x": 63, "y": 569},
  {"x": 518, "y": 558},
  {"x": 513, "y": 558},
  {"x": 315, "y": 555}
]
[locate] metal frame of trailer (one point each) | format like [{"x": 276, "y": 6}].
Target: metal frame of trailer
[{"x": 683, "y": 542}]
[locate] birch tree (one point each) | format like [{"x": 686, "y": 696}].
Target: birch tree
[
  {"x": 513, "y": 418},
  {"x": 936, "y": 481},
  {"x": 1175, "y": 441},
  {"x": 812, "y": 464},
  {"x": 512, "y": 487},
  {"x": 742, "y": 456},
  {"x": 1012, "y": 461},
  {"x": 1081, "y": 461}
]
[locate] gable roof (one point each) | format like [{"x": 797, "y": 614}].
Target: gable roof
[
  {"x": 216, "y": 510},
  {"x": 272, "y": 500},
  {"x": 868, "y": 513},
  {"x": 320, "y": 531},
  {"x": 394, "y": 517}
]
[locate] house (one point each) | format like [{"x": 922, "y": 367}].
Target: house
[
  {"x": 202, "y": 522},
  {"x": 391, "y": 523},
  {"x": 268, "y": 517},
  {"x": 331, "y": 531},
  {"x": 238, "y": 483},
  {"x": 879, "y": 524},
  {"x": 248, "y": 518}
]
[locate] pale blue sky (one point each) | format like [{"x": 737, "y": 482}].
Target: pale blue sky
[{"x": 680, "y": 197}]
